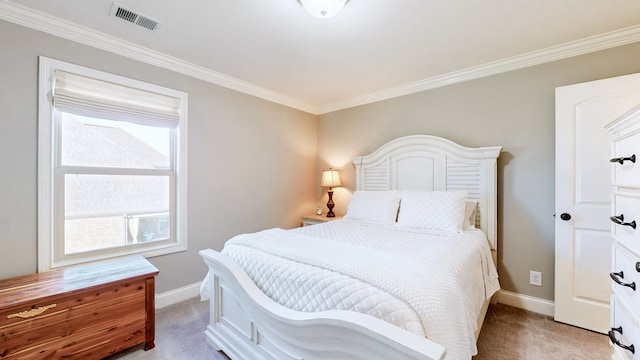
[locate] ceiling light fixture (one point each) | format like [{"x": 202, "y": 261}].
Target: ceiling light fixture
[{"x": 323, "y": 9}]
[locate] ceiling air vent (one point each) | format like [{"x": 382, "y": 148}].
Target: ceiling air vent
[{"x": 131, "y": 16}]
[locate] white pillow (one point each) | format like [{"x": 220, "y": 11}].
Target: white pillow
[
  {"x": 470, "y": 215},
  {"x": 374, "y": 206},
  {"x": 434, "y": 210}
]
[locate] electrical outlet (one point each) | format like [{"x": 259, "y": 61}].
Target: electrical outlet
[{"x": 535, "y": 278}]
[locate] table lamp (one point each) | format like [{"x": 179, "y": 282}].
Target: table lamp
[{"x": 331, "y": 179}]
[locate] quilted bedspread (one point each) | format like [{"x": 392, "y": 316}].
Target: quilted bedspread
[{"x": 430, "y": 283}]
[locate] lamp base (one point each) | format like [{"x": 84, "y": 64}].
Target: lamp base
[{"x": 330, "y": 204}]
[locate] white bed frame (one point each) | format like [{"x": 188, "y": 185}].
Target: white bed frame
[{"x": 246, "y": 324}]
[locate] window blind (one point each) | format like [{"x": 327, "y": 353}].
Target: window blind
[{"x": 86, "y": 96}]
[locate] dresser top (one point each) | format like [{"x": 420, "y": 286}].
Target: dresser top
[{"x": 73, "y": 278}]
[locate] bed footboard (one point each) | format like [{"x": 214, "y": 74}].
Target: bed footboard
[{"x": 247, "y": 324}]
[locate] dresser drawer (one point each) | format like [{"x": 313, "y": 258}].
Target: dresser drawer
[
  {"x": 625, "y": 171},
  {"x": 626, "y": 218},
  {"x": 625, "y": 276},
  {"x": 625, "y": 333}
]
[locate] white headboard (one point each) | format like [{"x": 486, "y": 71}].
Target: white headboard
[{"x": 424, "y": 162}]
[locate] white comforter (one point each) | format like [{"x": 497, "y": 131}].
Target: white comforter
[{"x": 432, "y": 284}]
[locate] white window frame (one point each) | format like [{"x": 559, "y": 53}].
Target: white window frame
[{"x": 51, "y": 212}]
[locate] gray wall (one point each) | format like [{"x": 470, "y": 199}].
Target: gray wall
[
  {"x": 515, "y": 110},
  {"x": 252, "y": 164}
]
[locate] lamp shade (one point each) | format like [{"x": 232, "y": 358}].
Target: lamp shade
[
  {"x": 323, "y": 8},
  {"x": 330, "y": 178}
]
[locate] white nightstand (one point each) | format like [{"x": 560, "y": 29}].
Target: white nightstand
[{"x": 317, "y": 219}]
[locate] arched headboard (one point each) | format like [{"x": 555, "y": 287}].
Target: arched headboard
[{"x": 428, "y": 163}]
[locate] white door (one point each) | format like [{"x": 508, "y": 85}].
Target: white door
[{"x": 583, "y": 188}]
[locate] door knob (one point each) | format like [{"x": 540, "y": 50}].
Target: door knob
[{"x": 565, "y": 216}]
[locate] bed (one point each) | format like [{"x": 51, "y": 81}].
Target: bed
[{"x": 347, "y": 289}]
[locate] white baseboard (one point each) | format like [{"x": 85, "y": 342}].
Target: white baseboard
[
  {"x": 177, "y": 295},
  {"x": 525, "y": 302}
]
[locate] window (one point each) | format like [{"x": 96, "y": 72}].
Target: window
[{"x": 111, "y": 167}]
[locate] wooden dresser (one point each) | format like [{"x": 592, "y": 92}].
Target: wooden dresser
[
  {"x": 88, "y": 311},
  {"x": 625, "y": 217}
]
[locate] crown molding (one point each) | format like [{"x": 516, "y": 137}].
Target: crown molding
[
  {"x": 579, "y": 47},
  {"x": 36, "y": 20}
]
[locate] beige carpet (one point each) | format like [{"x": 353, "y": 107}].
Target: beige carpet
[
  {"x": 508, "y": 334},
  {"x": 515, "y": 334}
]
